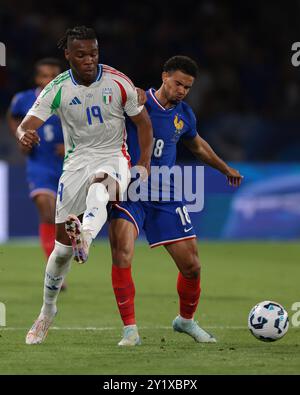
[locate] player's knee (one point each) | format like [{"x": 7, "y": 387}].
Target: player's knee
[
  {"x": 62, "y": 253},
  {"x": 110, "y": 185},
  {"x": 99, "y": 191},
  {"x": 192, "y": 267},
  {"x": 122, "y": 256}
]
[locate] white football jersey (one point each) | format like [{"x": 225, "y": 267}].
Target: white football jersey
[{"x": 92, "y": 116}]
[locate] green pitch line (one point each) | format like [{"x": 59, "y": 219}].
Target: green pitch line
[{"x": 234, "y": 277}]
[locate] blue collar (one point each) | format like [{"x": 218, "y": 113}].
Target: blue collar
[
  {"x": 98, "y": 76},
  {"x": 156, "y": 101}
]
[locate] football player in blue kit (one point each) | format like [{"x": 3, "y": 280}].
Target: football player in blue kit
[
  {"x": 165, "y": 223},
  {"x": 44, "y": 161}
]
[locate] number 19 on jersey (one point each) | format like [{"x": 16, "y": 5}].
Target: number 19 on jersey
[{"x": 94, "y": 112}]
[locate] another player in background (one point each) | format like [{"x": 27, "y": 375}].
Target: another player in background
[
  {"x": 165, "y": 223},
  {"x": 90, "y": 100},
  {"x": 44, "y": 161}
]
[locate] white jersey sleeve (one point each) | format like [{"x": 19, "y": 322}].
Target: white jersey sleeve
[
  {"x": 132, "y": 107},
  {"x": 48, "y": 101},
  {"x": 128, "y": 93}
]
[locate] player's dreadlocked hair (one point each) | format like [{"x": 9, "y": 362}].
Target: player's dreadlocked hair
[
  {"x": 77, "y": 32},
  {"x": 181, "y": 63}
]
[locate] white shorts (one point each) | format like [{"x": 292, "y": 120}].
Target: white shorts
[{"x": 73, "y": 185}]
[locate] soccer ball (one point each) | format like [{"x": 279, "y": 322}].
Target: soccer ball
[{"x": 268, "y": 321}]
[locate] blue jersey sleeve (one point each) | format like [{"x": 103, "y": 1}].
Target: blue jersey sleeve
[
  {"x": 16, "y": 106},
  {"x": 192, "y": 130}
]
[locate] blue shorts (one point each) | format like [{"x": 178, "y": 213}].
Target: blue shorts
[
  {"x": 42, "y": 182},
  {"x": 163, "y": 222}
]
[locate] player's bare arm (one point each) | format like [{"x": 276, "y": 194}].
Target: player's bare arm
[
  {"x": 145, "y": 136},
  {"x": 13, "y": 123},
  {"x": 141, "y": 95},
  {"x": 60, "y": 150},
  {"x": 26, "y": 131},
  {"x": 203, "y": 151}
]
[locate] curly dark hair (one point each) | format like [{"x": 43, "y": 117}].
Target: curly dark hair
[{"x": 181, "y": 63}]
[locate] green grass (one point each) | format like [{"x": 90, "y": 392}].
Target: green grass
[{"x": 234, "y": 278}]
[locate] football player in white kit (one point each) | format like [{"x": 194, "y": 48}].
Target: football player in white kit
[{"x": 90, "y": 100}]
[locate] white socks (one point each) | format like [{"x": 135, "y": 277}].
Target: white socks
[
  {"x": 58, "y": 265},
  {"x": 95, "y": 214},
  {"x": 59, "y": 262}
]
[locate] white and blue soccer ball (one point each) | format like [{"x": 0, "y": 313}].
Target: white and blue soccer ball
[{"x": 268, "y": 321}]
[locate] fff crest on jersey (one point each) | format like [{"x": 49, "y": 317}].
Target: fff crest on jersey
[
  {"x": 107, "y": 95},
  {"x": 179, "y": 124}
]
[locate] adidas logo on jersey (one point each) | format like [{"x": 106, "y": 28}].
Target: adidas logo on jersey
[{"x": 75, "y": 101}]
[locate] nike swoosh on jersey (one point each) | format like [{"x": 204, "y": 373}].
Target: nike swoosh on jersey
[{"x": 186, "y": 230}]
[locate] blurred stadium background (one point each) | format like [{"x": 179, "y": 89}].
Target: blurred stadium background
[
  {"x": 247, "y": 98},
  {"x": 247, "y": 101}
]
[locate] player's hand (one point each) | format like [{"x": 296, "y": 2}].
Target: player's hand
[
  {"x": 142, "y": 97},
  {"x": 233, "y": 177},
  {"x": 60, "y": 150},
  {"x": 29, "y": 138},
  {"x": 144, "y": 167}
]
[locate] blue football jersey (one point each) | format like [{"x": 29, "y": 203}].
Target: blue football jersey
[
  {"x": 169, "y": 125},
  {"x": 50, "y": 133}
]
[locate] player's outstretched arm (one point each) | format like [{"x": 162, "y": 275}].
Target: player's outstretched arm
[
  {"x": 141, "y": 96},
  {"x": 26, "y": 131},
  {"x": 203, "y": 151},
  {"x": 145, "y": 136},
  {"x": 13, "y": 122}
]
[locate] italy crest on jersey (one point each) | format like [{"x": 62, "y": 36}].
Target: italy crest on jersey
[
  {"x": 179, "y": 124},
  {"x": 107, "y": 95}
]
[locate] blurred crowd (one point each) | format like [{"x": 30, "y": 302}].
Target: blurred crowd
[{"x": 247, "y": 96}]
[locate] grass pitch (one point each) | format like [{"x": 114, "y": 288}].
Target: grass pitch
[{"x": 235, "y": 276}]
